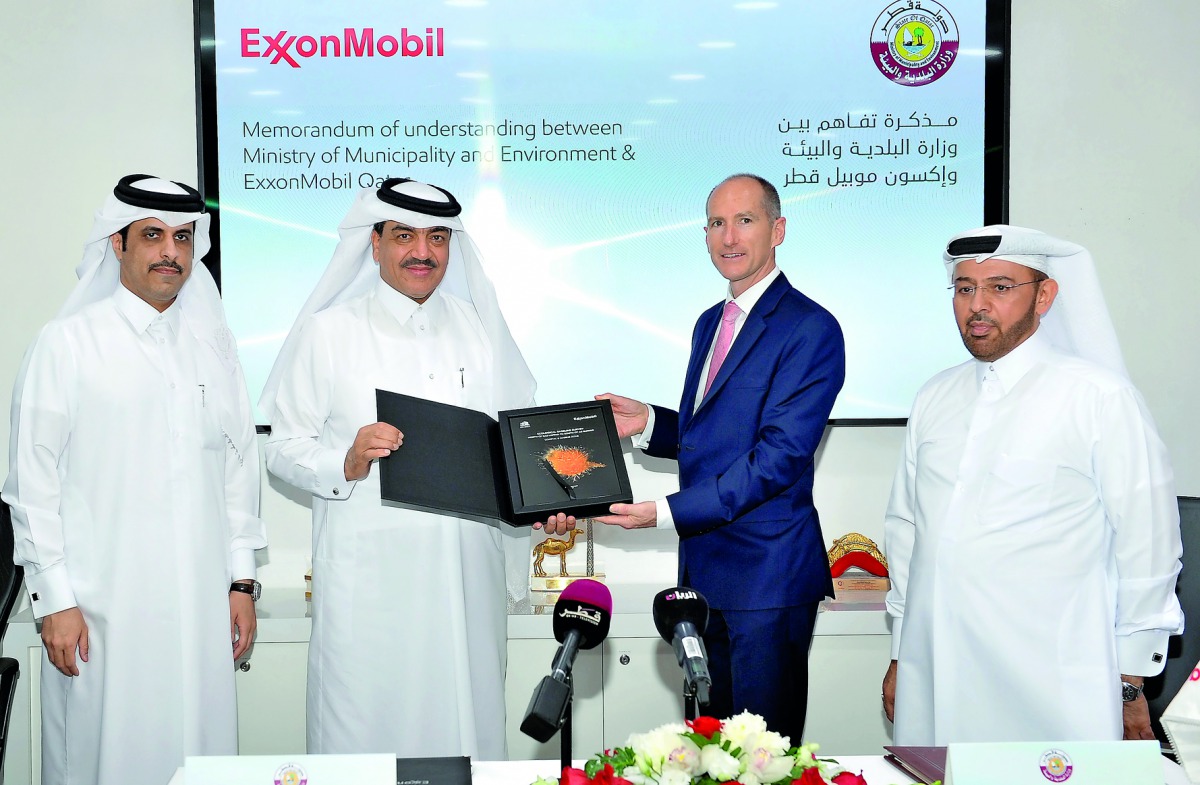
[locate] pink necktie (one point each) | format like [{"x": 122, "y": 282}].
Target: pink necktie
[{"x": 724, "y": 340}]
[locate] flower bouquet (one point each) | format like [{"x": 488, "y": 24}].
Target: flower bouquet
[{"x": 708, "y": 751}]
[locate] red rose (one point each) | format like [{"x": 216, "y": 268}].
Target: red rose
[
  {"x": 572, "y": 776},
  {"x": 848, "y": 778},
  {"x": 705, "y": 726},
  {"x": 608, "y": 776},
  {"x": 810, "y": 777}
]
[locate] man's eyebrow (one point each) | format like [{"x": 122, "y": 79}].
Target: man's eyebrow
[
  {"x": 399, "y": 227},
  {"x": 968, "y": 279}
]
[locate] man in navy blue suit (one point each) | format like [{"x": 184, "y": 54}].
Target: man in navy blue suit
[{"x": 765, "y": 368}]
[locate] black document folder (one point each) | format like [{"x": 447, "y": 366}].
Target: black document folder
[
  {"x": 926, "y": 764},
  {"x": 533, "y": 463},
  {"x": 448, "y": 458}
]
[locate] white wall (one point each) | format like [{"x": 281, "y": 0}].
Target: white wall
[{"x": 1104, "y": 111}]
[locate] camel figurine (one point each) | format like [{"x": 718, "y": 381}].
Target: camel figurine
[{"x": 554, "y": 547}]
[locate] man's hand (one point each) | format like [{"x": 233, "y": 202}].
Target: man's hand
[
  {"x": 63, "y": 634},
  {"x": 642, "y": 515},
  {"x": 373, "y": 442},
  {"x": 630, "y": 415},
  {"x": 557, "y": 524},
  {"x": 889, "y": 692},
  {"x": 242, "y": 622},
  {"x": 1135, "y": 715}
]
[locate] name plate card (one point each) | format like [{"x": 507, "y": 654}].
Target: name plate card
[
  {"x": 1042, "y": 762},
  {"x": 290, "y": 770}
]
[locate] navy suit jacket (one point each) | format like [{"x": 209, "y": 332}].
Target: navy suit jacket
[{"x": 749, "y": 535}]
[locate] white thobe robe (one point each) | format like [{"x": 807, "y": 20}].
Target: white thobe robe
[
  {"x": 1033, "y": 542},
  {"x": 409, "y": 636},
  {"x": 134, "y": 484}
]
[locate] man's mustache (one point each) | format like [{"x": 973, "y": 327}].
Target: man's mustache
[
  {"x": 172, "y": 265},
  {"x": 981, "y": 318},
  {"x": 421, "y": 262}
]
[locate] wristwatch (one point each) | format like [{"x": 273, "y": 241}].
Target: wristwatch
[
  {"x": 253, "y": 588},
  {"x": 1130, "y": 693}
]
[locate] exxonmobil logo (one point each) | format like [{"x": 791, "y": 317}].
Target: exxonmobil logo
[{"x": 285, "y": 47}]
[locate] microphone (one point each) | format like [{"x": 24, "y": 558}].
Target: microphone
[
  {"x": 681, "y": 616},
  {"x": 581, "y": 619}
]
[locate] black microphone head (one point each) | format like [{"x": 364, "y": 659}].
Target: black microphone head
[
  {"x": 672, "y": 606},
  {"x": 586, "y": 607}
]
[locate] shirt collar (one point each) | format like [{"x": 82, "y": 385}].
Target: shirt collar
[
  {"x": 403, "y": 307},
  {"x": 141, "y": 314},
  {"x": 1012, "y": 367},
  {"x": 747, "y": 299}
]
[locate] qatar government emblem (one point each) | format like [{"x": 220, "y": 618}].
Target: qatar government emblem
[
  {"x": 1056, "y": 766},
  {"x": 290, "y": 774},
  {"x": 914, "y": 42}
]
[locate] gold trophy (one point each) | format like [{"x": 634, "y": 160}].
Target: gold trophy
[{"x": 544, "y": 586}]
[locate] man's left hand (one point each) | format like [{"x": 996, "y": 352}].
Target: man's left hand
[
  {"x": 1135, "y": 715},
  {"x": 642, "y": 515},
  {"x": 242, "y": 622}
]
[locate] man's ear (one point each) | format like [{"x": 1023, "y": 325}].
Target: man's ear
[
  {"x": 118, "y": 244},
  {"x": 1047, "y": 291},
  {"x": 375, "y": 239}
]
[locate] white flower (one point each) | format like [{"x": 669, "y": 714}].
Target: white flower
[
  {"x": 739, "y": 728},
  {"x": 770, "y": 741},
  {"x": 719, "y": 764},
  {"x": 684, "y": 758},
  {"x": 653, "y": 748},
  {"x": 749, "y": 778},
  {"x": 766, "y": 767},
  {"x": 806, "y": 753},
  {"x": 632, "y": 774},
  {"x": 674, "y": 777}
]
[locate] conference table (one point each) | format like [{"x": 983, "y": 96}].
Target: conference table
[{"x": 873, "y": 768}]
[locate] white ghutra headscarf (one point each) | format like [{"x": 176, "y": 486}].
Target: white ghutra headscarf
[
  {"x": 135, "y": 198},
  {"x": 352, "y": 272},
  {"x": 1078, "y": 323}
]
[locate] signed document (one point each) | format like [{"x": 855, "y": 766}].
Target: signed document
[
  {"x": 564, "y": 458},
  {"x": 532, "y": 463}
]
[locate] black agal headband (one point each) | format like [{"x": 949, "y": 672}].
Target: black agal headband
[
  {"x": 130, "y": 194},
  {"x": 447, "y": 209}
]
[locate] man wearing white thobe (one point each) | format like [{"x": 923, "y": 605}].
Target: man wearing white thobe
[
  {"x": 134, "y": 487},
  {"x": 1032, "y": 533},
  {"x": 408, "y": 647}
]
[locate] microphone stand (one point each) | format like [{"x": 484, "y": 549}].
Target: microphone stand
[
  {"x": 564, "y": 733},
  {"x": 691, "y": 709}
]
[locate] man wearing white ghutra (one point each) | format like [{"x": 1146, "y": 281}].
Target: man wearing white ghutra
[
  {"x": 405, "y": 306},
  {"x": 1033, "y": 531},
  {"x": 134, "y": 485}
]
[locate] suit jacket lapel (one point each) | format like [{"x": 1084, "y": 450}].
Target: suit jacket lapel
[
  {"x": 706, "y": 329},
  {"x": 748, "y": 336}
]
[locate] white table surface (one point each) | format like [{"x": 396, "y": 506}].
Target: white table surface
[{"x": 874, "y": 769}]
